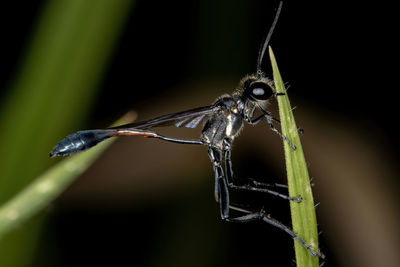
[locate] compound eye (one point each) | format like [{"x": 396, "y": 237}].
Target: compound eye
[{"x": 259, "y": 91}]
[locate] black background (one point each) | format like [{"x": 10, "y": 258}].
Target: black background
[{"x": 336, "y": 56}]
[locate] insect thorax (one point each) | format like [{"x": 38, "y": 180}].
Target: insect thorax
[{"x": 225, "y": 124}]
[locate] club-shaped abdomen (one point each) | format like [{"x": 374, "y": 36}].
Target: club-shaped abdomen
[{"x": 80, "y": 141}]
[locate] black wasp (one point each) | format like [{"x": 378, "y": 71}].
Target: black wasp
[{"x": 223, "y": 120}]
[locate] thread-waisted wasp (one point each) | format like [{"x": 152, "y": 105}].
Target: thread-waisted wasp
[{"x": 222, "y": 122}]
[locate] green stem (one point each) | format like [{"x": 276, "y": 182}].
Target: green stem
[{"x": 303, "y": 214}]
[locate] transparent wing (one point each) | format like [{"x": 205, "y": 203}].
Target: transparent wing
[{"x": 189, "y": 118}]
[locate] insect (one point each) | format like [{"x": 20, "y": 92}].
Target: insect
[{"x": 222, "y": 122}]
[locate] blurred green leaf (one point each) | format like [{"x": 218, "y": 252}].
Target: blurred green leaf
[
  {"x": 303, "y": 214},
  {"x": 51, "y": 94},
  {"x": 48, "y": 186}
]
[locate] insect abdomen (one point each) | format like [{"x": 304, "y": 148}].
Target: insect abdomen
[{"x": 80, "y": 141}]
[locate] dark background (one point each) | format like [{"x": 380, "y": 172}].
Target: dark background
[{"x": 173, "y": 55}]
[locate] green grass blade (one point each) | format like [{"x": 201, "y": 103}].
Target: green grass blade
[
  {"x": 303, "y": 214},
  {"x": 49, "y": 96},
  {"x": 55, "y": 85}
]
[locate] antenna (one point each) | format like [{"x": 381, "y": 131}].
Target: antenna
[{"x": 267, "y": 39}]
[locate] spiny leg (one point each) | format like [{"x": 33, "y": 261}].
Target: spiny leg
[
  {"x": 258, "y": 119},
  {"x": 273, "y": 185},
  {"x": 222, "y": 196},
  {"x": 272, "y": 126},
  {"x": 261, "y": 117},
  {"x": 261, "y": 215},
  {"x": 269, "y": 118},
  {"x": 248, "y": 187}
]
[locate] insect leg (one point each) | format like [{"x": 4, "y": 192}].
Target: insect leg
[
  {"x": 269, "y": 118},
  {"x": 260, "y": 118},
  {"x": 256, "y": 216},
  {"x": 274, "y": 185},
  {"x": 272, "y": 126},
  {"x": 151, "y": 134},
  {"x": 248, "y": 187},
  {"x": 221, "y": 187},
  {"x": 222, "y": 196}
]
